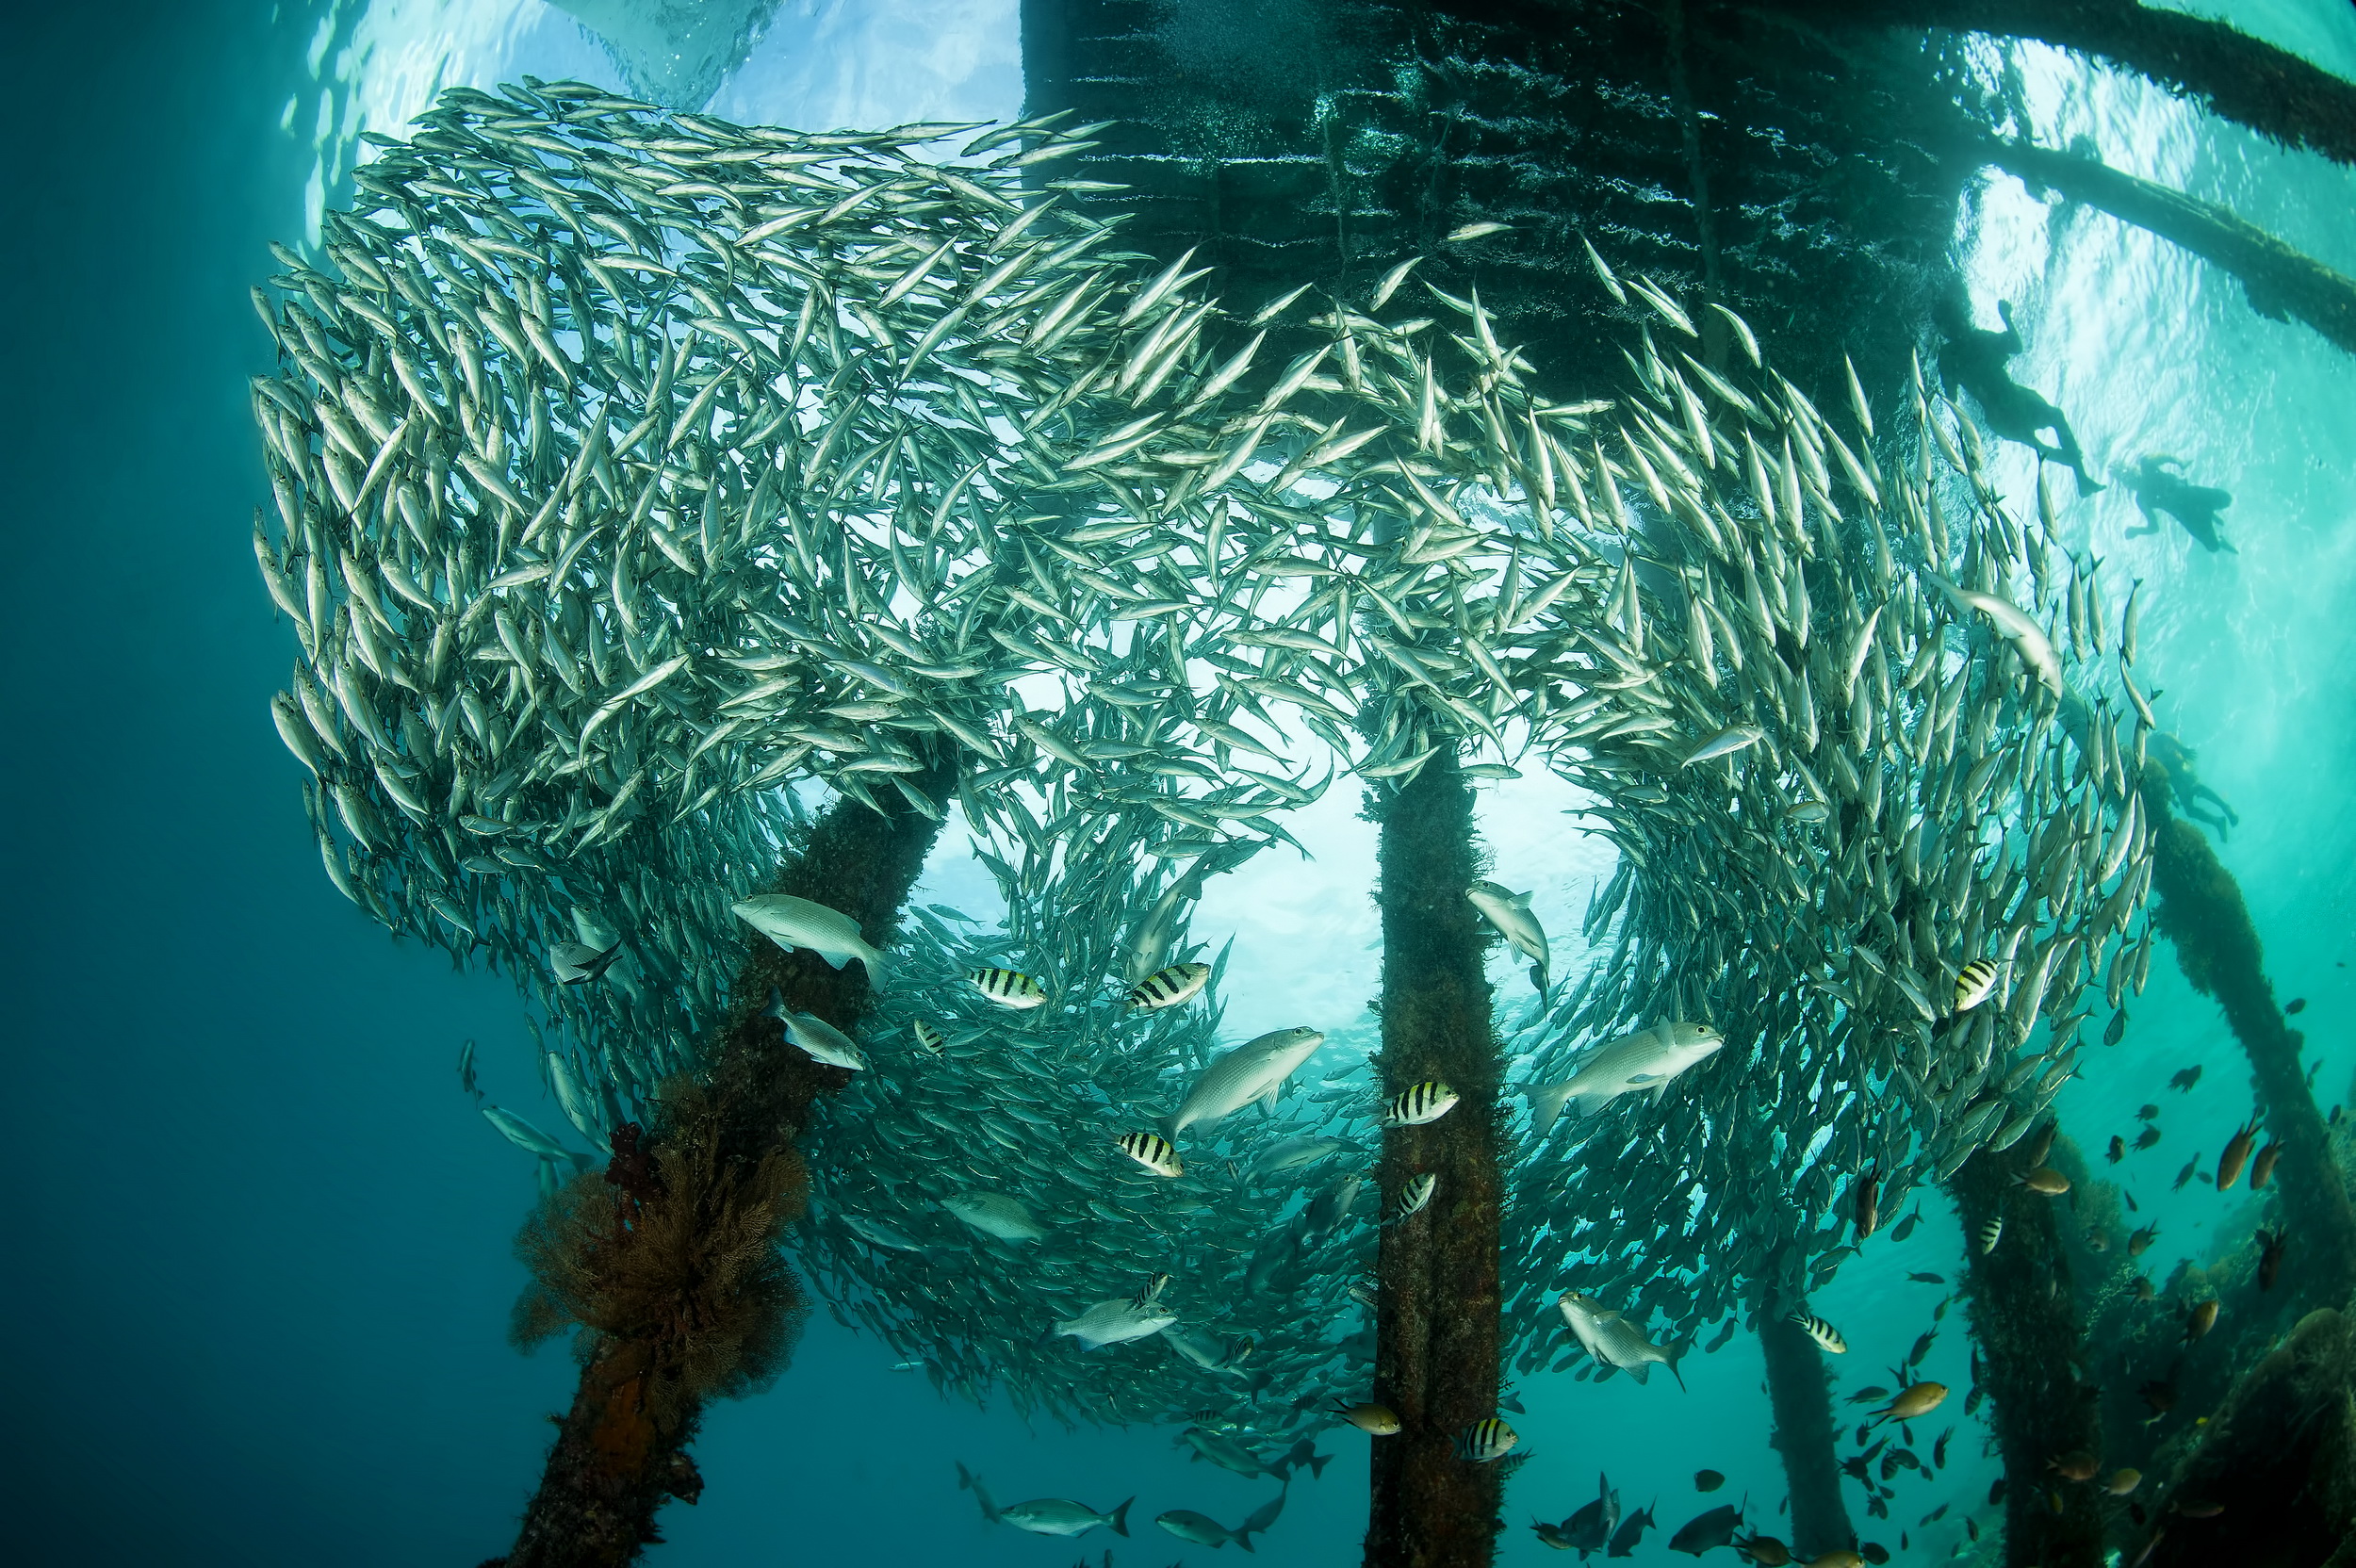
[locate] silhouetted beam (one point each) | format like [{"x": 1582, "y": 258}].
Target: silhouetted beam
[
  {"x": 2279, "y": 281},
  {"x": 1799, "y": 1390},
  {"x": 2237, "y": 78},
  {"x": 1436, "y": 1341}
]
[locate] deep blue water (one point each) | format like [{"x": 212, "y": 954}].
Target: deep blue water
[{"x": 257, "y": 1273}]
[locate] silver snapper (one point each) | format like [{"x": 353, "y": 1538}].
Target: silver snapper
[
  {"x": 792, "y": 923},
  {"x": 1510, "y": 913},
  {"x": 995, "y": 1214},
  {"x": 1645, "y": 1062},
  {"x": 1046, "y": 1515},
  {"x": 1200, "y": 1529},
  {"x": 1115, "y": 1323},
  {"x": 1254, "y": 1070},
  {"x": 1609, "y": 1336}
]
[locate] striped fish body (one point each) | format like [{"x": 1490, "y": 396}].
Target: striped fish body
[
  {"x": 1975, "y": 984},
  {"x": 1413, "y": 1196},
  {"x": 1485, "y": 1441},
  {"x": 1154, "y": 1286},
  {"x": 927, "y": 1036},
  {"x": 1152, "y": 1150},
  {"x": 1168, "y": 987},
  {"x": 1427, "y": 1102},
  {"x": 1990, "y": 1234},
  {"x": 1826, "y": 1338},
  {"x": 1007, "y": 987}
]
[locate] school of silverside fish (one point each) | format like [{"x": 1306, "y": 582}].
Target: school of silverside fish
[{"x": 633, "y": 468}]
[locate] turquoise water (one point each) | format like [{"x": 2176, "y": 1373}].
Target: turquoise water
[{"x": 262, "y": 1273}]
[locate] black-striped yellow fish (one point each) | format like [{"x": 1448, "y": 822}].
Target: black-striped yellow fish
[
  {"x": 1825, "y": 1334},
  {"x": 927, "y": 1036},
  {"x": 1975, "y": 984},
  {"x": 1152, "y": 1150},
  {"x": 1007, "y": 987},
  {"x": 1486, "y": 1441},
  {"x": 1990, "y": 1234},
  {"x": 1154, "y": 1286},
  {"x": 1170, "y": 987},
  {"x": 1427, "y": 1102},
  {"x": 1411, "y": 1198}
]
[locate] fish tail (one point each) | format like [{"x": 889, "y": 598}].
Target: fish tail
[
  {"x": 1547, "y": 1101},
  {"x": 1119, "y": 1520}
]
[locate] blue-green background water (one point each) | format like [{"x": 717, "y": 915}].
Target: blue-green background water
[{"x": 257, "y": 1271}]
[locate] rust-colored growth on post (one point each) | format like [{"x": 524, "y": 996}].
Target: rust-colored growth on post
[
  {"x": 1438, "y": 1326},
  {"x": 2201, "y": 912},
  {"x": 670, "y": 1258},
  {"x": 2024, "y": 1314}
]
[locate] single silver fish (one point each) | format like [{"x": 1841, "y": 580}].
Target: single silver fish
[
  {"x": 1510, "y": 913},
  {"x": 1646, "y": 1061},
  {"x": 995, "y": 1214},
  {"x": 1046, "y": 1515},
  {"x": 1611, "y": 1339},
  {"x": 1116, "y": 1323},
  {"x": 1254, "y": 1070},
  {"x": 792, "y": 923}
]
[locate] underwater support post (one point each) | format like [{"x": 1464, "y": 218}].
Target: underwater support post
[
  {"x": 1799, "y": 1392},
  {"x": 2201, "y": 912},
  {"x": 621, "y": 1450},
  {"x": 1437, "y": 1324},
  {"x": 2024, "y": 1315}
]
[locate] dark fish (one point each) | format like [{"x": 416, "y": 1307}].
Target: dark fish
[
  {"x": 1874, "y": 1553},
  {"x": 1906, "y": 1226},
  {"x": 2270, "y": 1258},
  {"x": 1631, "y": 1530},
  {"x": 2192, "y": 1168},
  {"x": 2295, "y": 1007},
  {"x": 2117, "y": 1150},
  {"x": 1936, "y": 1514},
  {"x": 2146, "y": 1138},
  {"x": 1765, "y": 1550},
  {"x": 1939, "y": 1456},
  {"x": 1590, "y": 1528},
  {"x": 1708, "y": 1480},
  {"x": 1922, "y": 1349},
  {"x": 1719, "y": 1340},
  {"x": 2199, "y": 1319},
  {"x": 2262, "y": 1168},
  {"x": 2139, "y": 1241},
  {"x": 1928, "y": 1279},
  {"x": 2132, "y": 1207},
  {"x": 2117, "y": 1029},
  {"x": 2145, "y": 1113},
  {"x": 2185, "y": 1079},
  {"x": 2040, "y": 1145},
  {"x": 1705, "y": 1531},
  {"x": 1867, "y": 1206},
  {"x": 2236, "y": 1155}
]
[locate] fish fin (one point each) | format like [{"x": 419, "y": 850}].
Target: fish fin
[
  {"x": 1642, "y": 1370},
  {"x": 1547, "y": 1101},
  {"x": 834, "y": 960},
  {"x": 879, "y": 972},
  {"x": 1520, "y": 900},
  {"x": 1119, "y": 1520},
  {"x": 1671, "y": 1363}
]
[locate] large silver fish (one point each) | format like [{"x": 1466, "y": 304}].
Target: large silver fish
[
  {"x": 792, "y": 923},
  {"x": 1510, "y": 913},
  {"x": 1254, "y": 1070},
  {"x": 1116, "y": 1323},
  {"x": 1609, "y": 1336},
  {"x": 1646, "y": 1062},
  {"x": 1046, "y": 1515}
]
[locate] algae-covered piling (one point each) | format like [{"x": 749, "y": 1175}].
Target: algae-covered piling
[
  {"x": 2201, "y": 912},
  {"x": 1799, "y": 1388},
  {"x": 1437, "y": 1325},
  {"x": 2024, "y": 1315},
  {"x": 675, "y": 1268}
]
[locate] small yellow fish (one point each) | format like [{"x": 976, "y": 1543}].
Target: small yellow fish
[
  {"x": 2237, "y": 1148},
  {"x": 1372, "y": 1419},
  {"x": 2200, "y": 1320},
  {"x": 2045, "y": 1179},
  {"x": 1914, "y": 1401},
  {"x": 1975, "y": 984},
  {"x": 1152, "y": 1150},
  {"x": 2122, "y": 1481}
]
